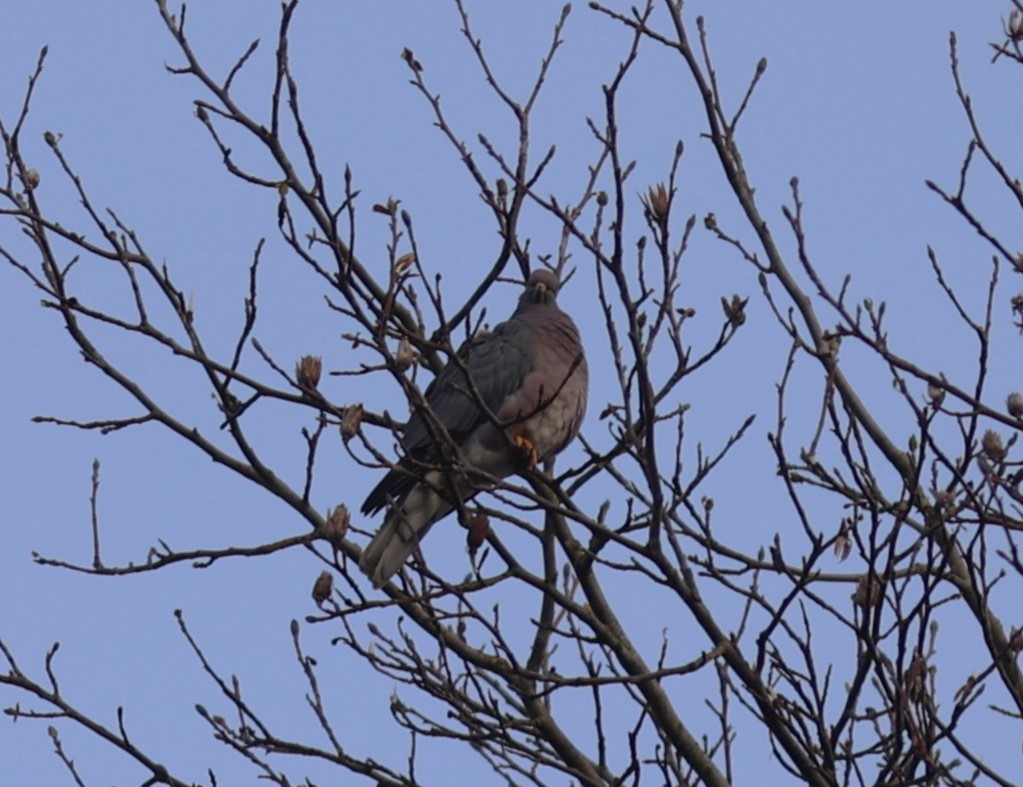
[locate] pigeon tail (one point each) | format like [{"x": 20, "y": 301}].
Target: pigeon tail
[{"x": 401, "y": 534}]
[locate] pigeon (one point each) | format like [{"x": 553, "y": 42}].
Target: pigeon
[{"x": 523, "y": 401}]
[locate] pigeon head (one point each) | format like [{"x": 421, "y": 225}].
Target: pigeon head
[{"x": 541, "y": 288}]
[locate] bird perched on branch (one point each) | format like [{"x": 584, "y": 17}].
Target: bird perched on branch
[{"x": 509, "y": 399}]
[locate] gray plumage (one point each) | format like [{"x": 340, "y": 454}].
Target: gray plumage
[{"x": 530, "y": 373}]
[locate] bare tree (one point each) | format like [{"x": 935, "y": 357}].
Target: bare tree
[{"x": 893, "y": 537}]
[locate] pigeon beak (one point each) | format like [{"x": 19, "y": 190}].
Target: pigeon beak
[{"x": 541, "y": 287}]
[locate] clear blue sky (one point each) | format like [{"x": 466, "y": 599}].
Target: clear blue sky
[{"x": 857, "y": 101}]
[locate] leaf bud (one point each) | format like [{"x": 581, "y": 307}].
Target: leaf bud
[
  {"x": 479, "y": 526},
  {"x": 308, "y": 371},
  {"x": 991, "y": 442},
  {"x": 351, "y": 421},
  {"x": 405, "y": 357},
  {"x": 323, "y": 587},
  {"x": 1014, "y": 404},
  {"x": 336, "y": 525}
]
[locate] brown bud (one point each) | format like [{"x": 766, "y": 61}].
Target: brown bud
[
  {"x": 479, "y": 526},
  {"x": 936, "y": 394},
  {"x": 51, "y": 138},
  {"x": 337, "y": 523},
  {"x": 657, "y": 203},
  {"x": 1014, "y": 404},
  {"x": 404, "y": 358},
  {"x": 1014, "y": 27},
  {"x": 735, "y": 310},
  {"x": 323, "y": 587},
  {"x": 868, "y": 591},
  {"x": 308, "y": 371},
  {"x": 351, "y": 421},
  {"x": 403, "y": 263},
  {"x": 913, "y": 679},
  {"x": 843, "y": 546},
  {"x": 31, "y": 179},
  {"x": 602, "y": 198},
  {"x": 991, "y": 442},
  {"x": 408, "y": 57},
  {"x": 231, "y": 405}
]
